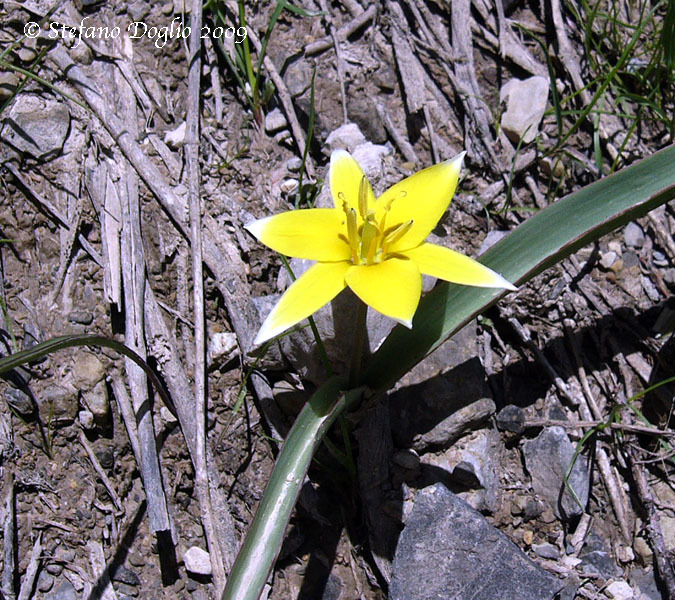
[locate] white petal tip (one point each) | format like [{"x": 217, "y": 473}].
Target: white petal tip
[
  {"x": 504, "y": 283},
  {"x": 407, "y": 324}
]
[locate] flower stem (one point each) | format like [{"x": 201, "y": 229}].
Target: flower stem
[{"x": 360, "y": 337}]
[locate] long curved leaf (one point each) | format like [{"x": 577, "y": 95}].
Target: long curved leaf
[
  {"x": 546, "y": 238},
  {"x": 263, "y": 540}
]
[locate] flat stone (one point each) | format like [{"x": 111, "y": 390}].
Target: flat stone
[
  {"x": 88, "y": 370},
  {"x": 526, "y": 102},
  {"x": 439, "y": 409},
  {"x": 547, "y": 458},
  {"x": 546, "y": 551},
  {"x": 456, "y": 424},
  {"x": 298, "y": 78},
  {"x": 64, "y": 591},
  {"x": 275, "y": 121},
  {"x": 633, "y": 235},
  {"x": 121, "y": 574},
  {"x": 197, "y": 561},
  {"x": 346, "y": 137},
  {"x": 37, "y": 127},
  {"x": 97, "y": 401},
  {"x": 19, "y": 400},
  {"x": 371, "y": 157},
  {"x": 619, "y": 590},
  {"x": 449, "y": 550},
  {"x": 608, "y": 259}
]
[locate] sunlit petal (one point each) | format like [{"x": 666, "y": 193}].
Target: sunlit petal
[
  {"x": 392, "y": 287},
  {"x": 449, "y": 265},
  {"x": 316, "y": 287},
  {"x": 421, "y": 198},
  {"x": 311, "y": 233},
  {"x": 347, "y": 180}
]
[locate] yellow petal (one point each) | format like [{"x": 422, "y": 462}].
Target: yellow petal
[
  {"x": 449, "y": 265},
  {"x": 348, "y": 182},
  {"x": 392, "y": 287},
  {"x": 316, "y": 287},
  {"x": 308, "y": 233},
  {"x": 421, "y": 198}
]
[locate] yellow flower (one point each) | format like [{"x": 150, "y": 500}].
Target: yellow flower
[{"x": 373, "y": 245}]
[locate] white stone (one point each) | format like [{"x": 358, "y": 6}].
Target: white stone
[
  {"x": 97, "y": 401},
  {"x": 370, "y": 156},
  {"x": 88, "y": 370},
  {"x": 197, "y": 561},
  {"x": 275, "y": 121},
  {"x": 526, "y": 101},
  {"x": 346, "y": 137},
  {"x": 176, "y": 137},
  {"x": 608, "y": 259},
  {"x": 221, "y": 346},
  {"x": 620, "y": 590}
]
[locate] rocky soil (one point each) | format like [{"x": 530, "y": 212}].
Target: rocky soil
[{"x": 471, "y": 480}]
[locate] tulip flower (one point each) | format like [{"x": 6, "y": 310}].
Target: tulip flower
[{"x": 375, "y": 246}]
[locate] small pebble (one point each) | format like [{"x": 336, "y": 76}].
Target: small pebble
[
  {"x": 608, "y": 259},
  {"x": 633, "y": 236},
  {"x": 619, "y": 590},
  {"x": 288, "y": 186},
  {"x": 294, "y": 164},
  {"x": 275, "y": 121},
  {"x": 659, "y": 258},
  {"x": 82, "y": 317},
  {"x": 197, "y": 561},
  {"x": 511, "y": 418},
  {"x": 546, "y": 551}
]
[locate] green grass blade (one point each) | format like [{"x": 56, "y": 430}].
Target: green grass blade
[
  {"x": 263, "y": 541},
  {"x": 7, "y": 363},
  {"x": 546, "y": 238}
]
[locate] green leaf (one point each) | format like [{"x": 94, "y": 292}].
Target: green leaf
[
  {"x": 7, "y": 363},
  {"x": 263, "y": 541},
  {"x": 546, "y": 238}
]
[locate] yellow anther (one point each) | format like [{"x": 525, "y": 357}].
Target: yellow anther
[
  {"x": 366, "y": 198},
  {"x": 369, "y": 235},
  {"x": 352, "y": 232},
  {"x": 395, "y": 235}
]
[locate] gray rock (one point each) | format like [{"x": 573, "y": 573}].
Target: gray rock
[
  {"x": 97, "y": 401},
  {"x": 37, "y": 127},
  {"x": 644, "y": 580},
  {"x": 546, "y": 551},
  {"x": 64, "y": 591},
  {"x": 608, "y": 259},
  {"x": 455, "y": 425},
  {"x": 8, "y": 84},
  {"x": 547, "y": 458},
  {"x": 82, "y": 317},
  {"x": 346, "y": 137},
  {"x": 19, "y": 400},
  {"x": 121, "y": 574},
  {"x": 371, "y": 156},
  {"x": 425, "y": 398},
  {"x": 619, "y": 590},
  {"x": 275, "y": 121},
  {"x": 61, "y": 404},
  {"x": 596, "y": 558},
  {"x": 294, "y": 164},
  {"x": 633, "y": 235},
  {"x": 197, "y": 561},
  {"x": 88, "y": 371},
  {"x": 511, "y": 418},
  {"x": 362, "y": 111},
  {"x": 222, "y": 346},
  {"x": 525, "y": 106},
  {"x": 297, "y": 78},
  {"x": 474, "y": 463},
  {"x": 86, "y": 419},
  {"x": 45, "y": 582},
  {"x": 448, "y": 550},
  {"x": 490, "y": 240}
]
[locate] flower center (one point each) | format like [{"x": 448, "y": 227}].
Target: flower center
[{"x": 370, "y": 241}]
